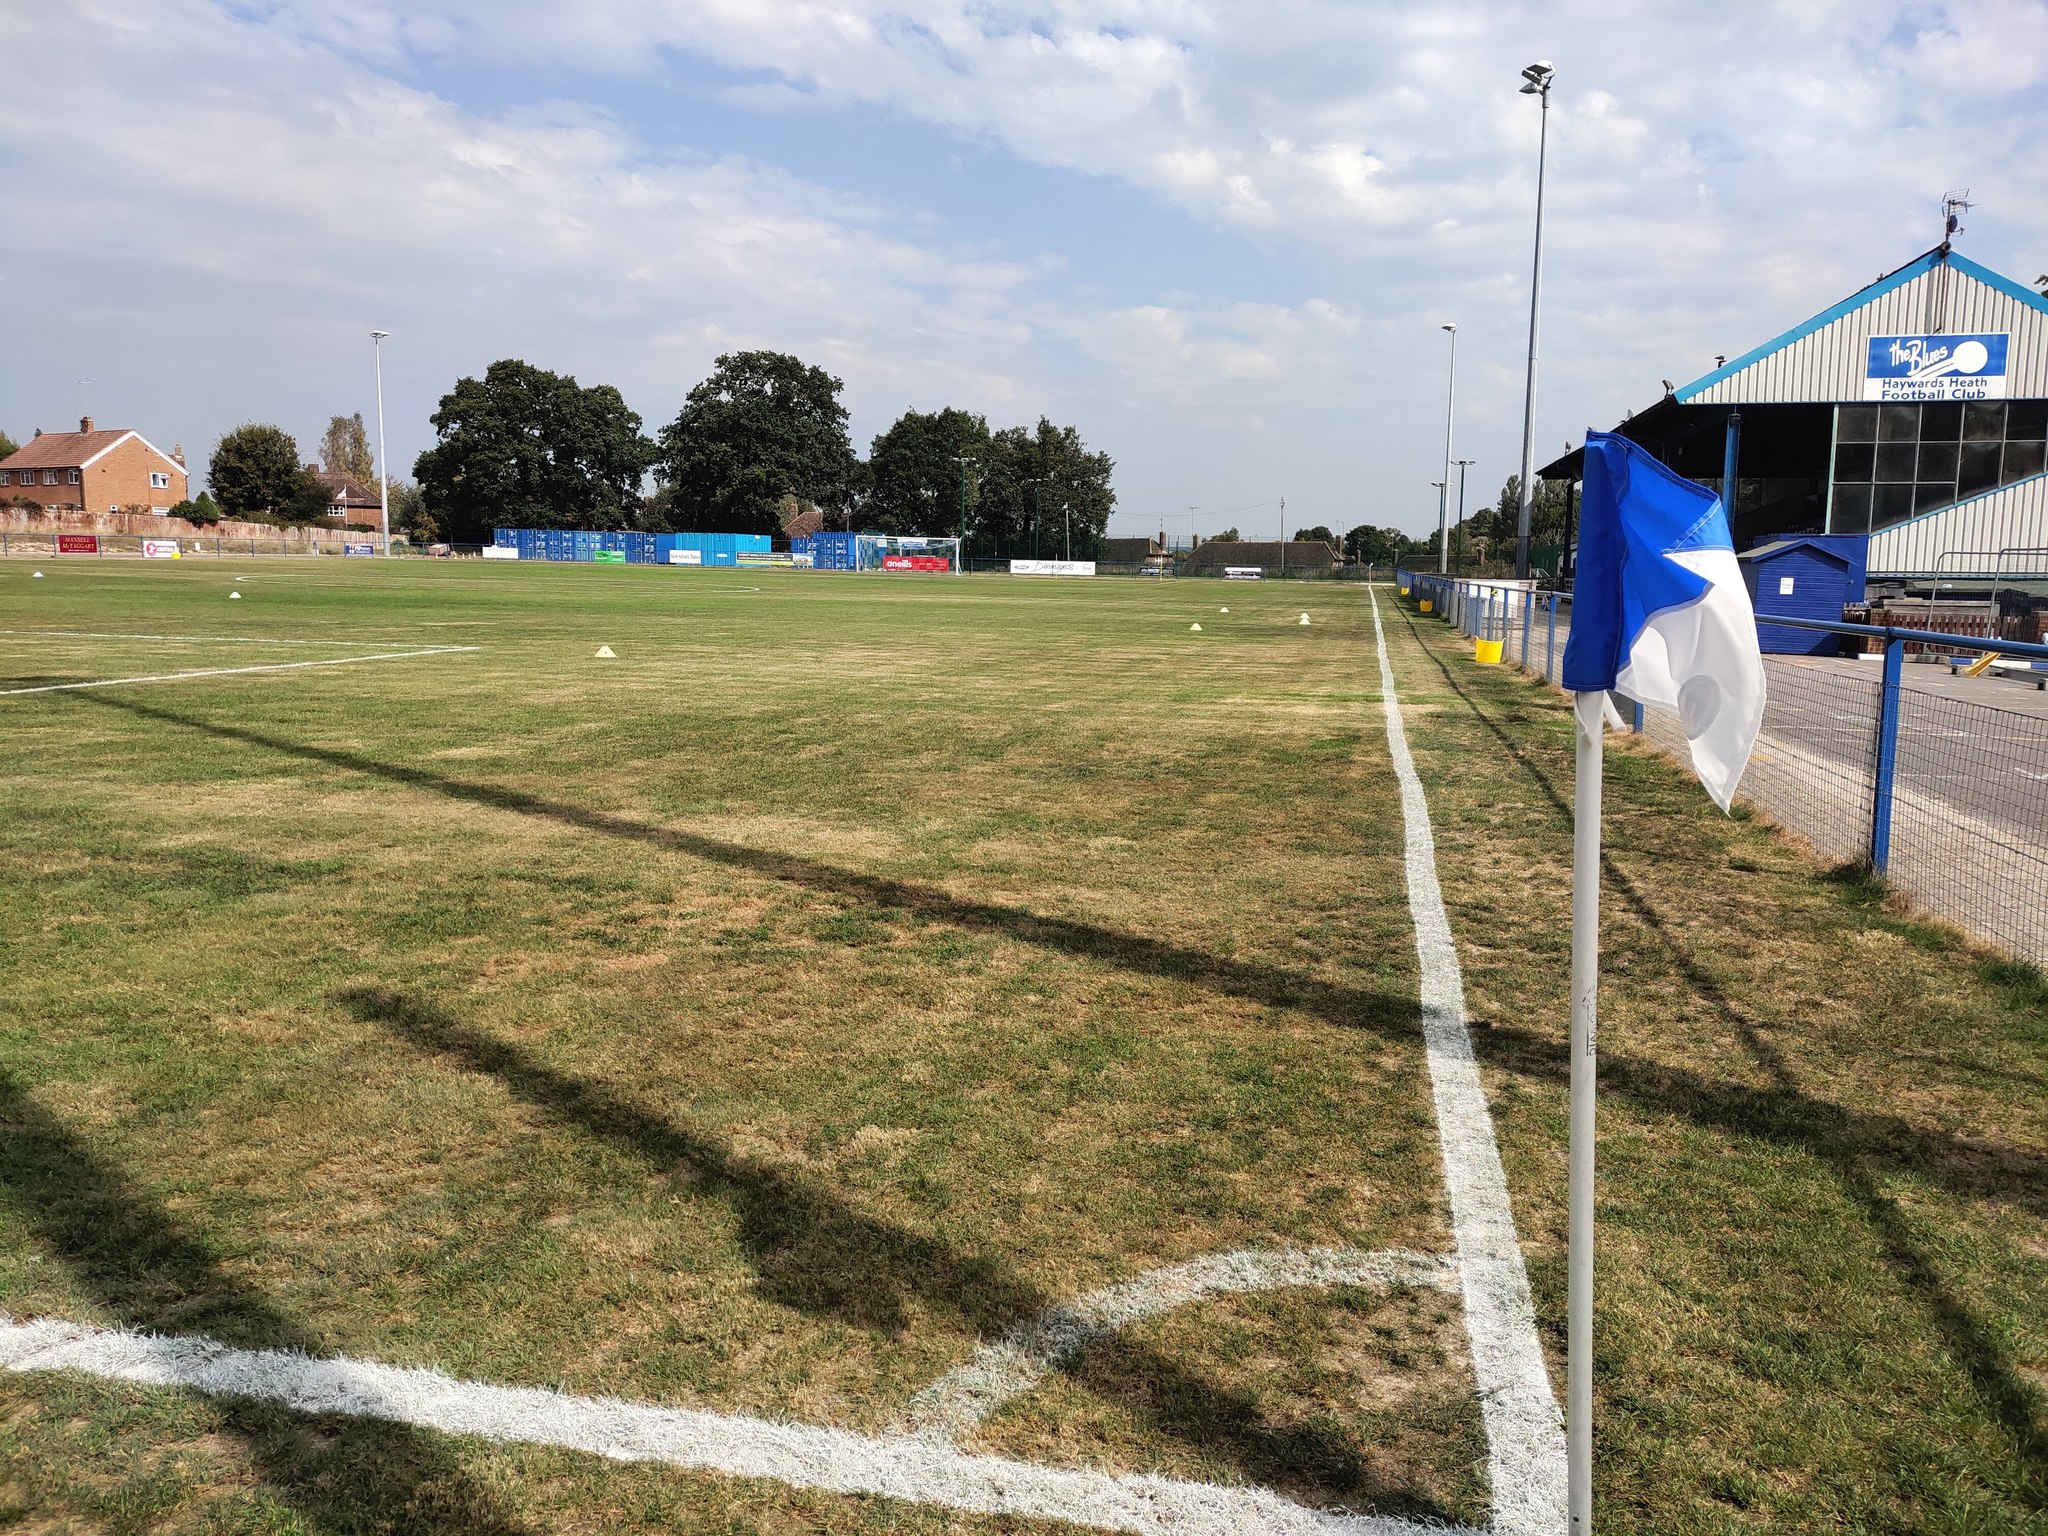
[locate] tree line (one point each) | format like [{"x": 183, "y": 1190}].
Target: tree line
[{"x": 760, "y": 440}]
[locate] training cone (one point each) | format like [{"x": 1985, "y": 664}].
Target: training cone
[
  {"x": 606, "y": 653},
  {"x": 1195, "y": 629},
  {"x": 38, "y": 576},
  {"x": 1304, "y": 618},
  {"x": 1223, "y": 610},
  {"x": 234, "y": 597}
]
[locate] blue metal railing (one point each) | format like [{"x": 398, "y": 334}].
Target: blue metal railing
[{"x": 1484, "y": 608}]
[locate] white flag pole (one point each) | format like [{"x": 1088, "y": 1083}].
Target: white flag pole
[{"x": 1590, "y": 710}]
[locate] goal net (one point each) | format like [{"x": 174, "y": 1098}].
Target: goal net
[{"x": 891, "y": 552}]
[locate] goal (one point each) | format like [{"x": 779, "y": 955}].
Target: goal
[{"x": 890, "y": 552}]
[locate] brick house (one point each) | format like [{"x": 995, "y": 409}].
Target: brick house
[
  {"x": 94, "y": 469},
  {"x": 350, "y": 501}
]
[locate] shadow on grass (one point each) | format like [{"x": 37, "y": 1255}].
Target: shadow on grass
[
  {"x": 135, "y": 1259},
  {"x": 1854, "y": 1145},
  {"x": 813, "y": 1251}
]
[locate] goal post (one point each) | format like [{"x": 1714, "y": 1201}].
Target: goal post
[{"x": 905, "y": 552}]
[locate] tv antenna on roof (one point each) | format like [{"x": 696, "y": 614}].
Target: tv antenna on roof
[{"x": 1953, "y": 207}]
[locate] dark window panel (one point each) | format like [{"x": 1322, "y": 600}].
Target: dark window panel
[
  {"x": 1855, "y": 461},
  {"x": 1937, "y": 461},
  {"x": 1983, "y": 421},
  {"x": 1895, "y": 461},
  {"x": 1851, "y": 511},
  {"x": 2022, "y": 460},
  {"x": 1856, "y": 424},
  {"x": 1941, "y": 421},
  {"x": 1931, "y": 497},
  {"x": 1890, "y": 504},
  {"x": 1898, "y": 423},
  {"x": 1977, "y": 468},
  {"x": 2027, "y": 419}
]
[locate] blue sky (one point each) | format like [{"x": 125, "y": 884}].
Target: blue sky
[{"x": 1219, "y": 239}]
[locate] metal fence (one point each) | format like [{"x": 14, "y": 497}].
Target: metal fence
[{"x": 1937, "y": 782}]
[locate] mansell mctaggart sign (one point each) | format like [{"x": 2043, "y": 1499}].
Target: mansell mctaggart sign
[{"x": 1953, "y": 367}]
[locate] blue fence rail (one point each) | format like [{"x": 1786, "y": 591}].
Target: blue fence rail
[{"x": 1886, "y": 757}]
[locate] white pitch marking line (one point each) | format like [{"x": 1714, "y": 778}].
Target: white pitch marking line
[
  {"x": 1524, "y": 1430},
  {"x": 97, "y": 634},
  {"x": 954, "y": 1405},
  {"x": 275, "y": 666},
  {"x": 796, "y": 1455}
]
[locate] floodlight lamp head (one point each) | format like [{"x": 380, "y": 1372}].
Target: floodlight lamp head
[
  {"x": 1452, "y": 327},
  {"x": 378, "y": 335},
  {"x": 1538, "y": 72}
]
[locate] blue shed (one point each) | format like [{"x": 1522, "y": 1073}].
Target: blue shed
[{"x": 1804, "y": 576}]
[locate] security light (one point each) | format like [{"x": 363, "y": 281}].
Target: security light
[{"x": 1536, "y": 73}]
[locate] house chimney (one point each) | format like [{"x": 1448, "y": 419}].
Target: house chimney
[
  {"x": 178, "y": 453},
  {"x": 85, "y": 423},
  {"x": 39, "y": 431}
]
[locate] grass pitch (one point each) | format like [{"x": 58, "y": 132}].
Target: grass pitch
[{"x": 854, "y": 968}]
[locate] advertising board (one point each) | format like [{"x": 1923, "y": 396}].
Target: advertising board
[
  {"x": 160, "y": 549},
  {"x": 350, "y": 547},
  {"x": 78, "y": 543},
  {"x": 1244, "y": 573},
  {"x": 762, "y": 557},
  {"x": 608, "y": 557},
  {"x": 501, "y": 552},
  {"x": 1958, "y": 366},
  {"x": 686, "y": 557},
  {"x": 1052, "y": 567},
  {"x": 916, "y": 563}
]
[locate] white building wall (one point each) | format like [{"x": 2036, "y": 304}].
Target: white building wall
[
  {"x": 1827, "y": 364},
  {"x": 2013, "y": 517}
]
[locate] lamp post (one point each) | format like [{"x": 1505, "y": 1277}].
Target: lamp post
[
  {"x": 964, "y": 462},
  {"x": 1535, "y": 82},
  {"x": 1463, "y": 465},
  {"x": 1443, "y": 501},
  {"x": 383, "y": 465}
]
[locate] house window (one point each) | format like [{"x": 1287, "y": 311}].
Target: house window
[
  {"x": 1893, "y": 462},
  {"x": 71, "y": 475},
  {"x": 49, "y": 477},
  {"x": 159, "y": 481}
]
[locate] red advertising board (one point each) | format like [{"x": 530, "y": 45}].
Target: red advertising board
[
  {"x": 78, "y": 543},
  {"x": 916, "y": 563}
]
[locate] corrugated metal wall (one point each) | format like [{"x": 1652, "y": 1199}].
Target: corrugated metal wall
[
  {"x": 1828, "y": 365},
  {"x": 2012, "y": 517}
]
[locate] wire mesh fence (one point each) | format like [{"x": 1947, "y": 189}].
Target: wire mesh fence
[{"x": 1955, "y": 815}]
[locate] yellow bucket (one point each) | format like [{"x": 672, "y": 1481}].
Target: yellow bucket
[
  {"x": 1425, "y": 605},
  {"x": 1487, "y": 652}
]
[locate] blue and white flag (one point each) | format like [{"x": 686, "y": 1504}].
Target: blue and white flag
[{"x": 1659, "y": 609}]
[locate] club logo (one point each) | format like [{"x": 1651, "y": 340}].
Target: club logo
[{"x": 1951, "y": 367}]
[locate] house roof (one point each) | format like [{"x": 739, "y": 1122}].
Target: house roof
[
  {"x": 1130, "y": 548},
  {"x": 75, "y": 450},
  {"x": 1300, "y": 552},
  {"x": 347, "y": 490}
]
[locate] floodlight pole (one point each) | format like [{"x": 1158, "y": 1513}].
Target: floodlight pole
[
  {"x": 1444, "y": 498},
  {"x": 1463, "y": 465},
  {"x": 1536, "y": 82},
  {"x": 1283, "y": 535},
  {"x": 961, "y": 555},
  {"x": 383, "y": 465}
]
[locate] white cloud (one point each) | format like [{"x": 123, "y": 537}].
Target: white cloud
[{"x": 220, "y": 242}]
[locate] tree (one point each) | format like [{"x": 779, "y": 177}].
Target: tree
[
  {"x": 763, "y": 426},
  {"x": 914, "y": 472},
  {"x": 1317, "y": 532},
  {"x": 255, "y": 470},
  {"x": 1042, "y": 492},
  {"x": 8, "y": 445},
  {"x": 1227, "y": 536},
  {"x": 345, "y": 450},
  {"x": 1546, "y": 515},
  {"x": 1367, "y": 545},
  {"x": 201, "y": 510},
  {"x": 526, "y": 448}
]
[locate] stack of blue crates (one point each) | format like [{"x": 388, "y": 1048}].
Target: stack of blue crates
[
  {"x": 722, "y": 549},
  {"x": 573, "y": 544},
  {"x": 832, "y": 551}
]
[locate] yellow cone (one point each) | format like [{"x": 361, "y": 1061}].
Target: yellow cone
[
  {"x": 1304, "y": 618},
  {"x": 607, "y": 653},
  {"x": 1196, "y": 628}
]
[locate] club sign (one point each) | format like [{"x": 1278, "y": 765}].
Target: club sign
[{"x": 1950, "y": 367}]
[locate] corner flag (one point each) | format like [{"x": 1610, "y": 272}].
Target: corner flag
[{"x": 1659, "y": 609}]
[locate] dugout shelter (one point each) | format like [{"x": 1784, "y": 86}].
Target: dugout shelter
[{"x": 1915, "y": 412}]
